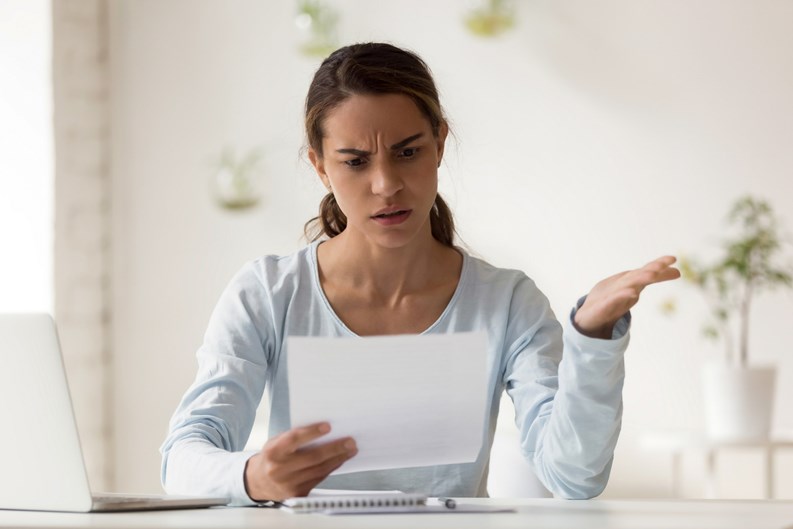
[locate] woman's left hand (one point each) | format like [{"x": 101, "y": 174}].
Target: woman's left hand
[{"x": 613, "y": 297}]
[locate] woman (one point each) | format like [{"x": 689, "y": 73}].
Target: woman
[{"x": 384, "y": 262}]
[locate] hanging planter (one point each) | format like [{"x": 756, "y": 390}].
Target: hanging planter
[
  {"x": 237, "y": 182},
  {"x": 492, "y": 18},
  {"x": 317, "y": 23}
]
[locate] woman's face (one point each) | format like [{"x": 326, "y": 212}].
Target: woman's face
[{"x": 381, "y": 163}]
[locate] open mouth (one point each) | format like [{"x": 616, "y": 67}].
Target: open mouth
[
  {"x": 392, "y": 214},
  {"x": 392, "y": 217}
]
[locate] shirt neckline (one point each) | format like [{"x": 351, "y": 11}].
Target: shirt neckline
[{"x": 318, "y": 287}]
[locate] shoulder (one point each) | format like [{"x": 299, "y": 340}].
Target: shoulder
[
  {"x": 481, "y": 273},
  {"x": 510, "y": 301},
  {"x": 268, "y": 282},
  {"x": 274, "y": 272},
  {"x": 503, "y": 290},
  {"x": 261, "y": 290}
]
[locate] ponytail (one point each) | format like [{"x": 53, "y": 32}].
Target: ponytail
[
  {"x": 330, "y": 222},
  {"x": 442, "y": 222}
]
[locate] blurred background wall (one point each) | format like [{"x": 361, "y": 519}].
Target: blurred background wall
[
  {"x": 590, "y": 138},
  {"x": 27, "y": 161}
]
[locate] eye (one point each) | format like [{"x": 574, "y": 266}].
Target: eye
[
  {"x": 410, "y": 152},
  {"x": 355, "y": 163}
]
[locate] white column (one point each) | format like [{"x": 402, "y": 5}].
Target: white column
[{"x": 82, "y": 218}]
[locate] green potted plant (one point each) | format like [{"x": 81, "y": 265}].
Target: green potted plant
[{"x": 738, "y": 397}]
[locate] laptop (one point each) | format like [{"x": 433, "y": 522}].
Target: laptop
[{"x": 41, "y": 462}]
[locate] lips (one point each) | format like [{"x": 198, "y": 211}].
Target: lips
[
  {"x": 391, "y": 216},
  {"x": 392, "y": 211}
]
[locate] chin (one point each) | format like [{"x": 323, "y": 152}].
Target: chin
[{"x": 393, "y": 241}]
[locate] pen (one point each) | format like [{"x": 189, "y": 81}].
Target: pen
[{"x": 449, "y": 503}]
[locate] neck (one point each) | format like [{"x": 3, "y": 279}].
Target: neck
[{"x": 384, "y": 274}]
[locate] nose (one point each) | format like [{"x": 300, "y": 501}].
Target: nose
[{"x": 386, "y": 180}]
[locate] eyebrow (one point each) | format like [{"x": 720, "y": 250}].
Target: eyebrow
[{"x": 397, "y": 145}]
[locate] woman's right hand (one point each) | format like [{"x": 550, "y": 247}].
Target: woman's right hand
[{"x": 284, "y": 468}]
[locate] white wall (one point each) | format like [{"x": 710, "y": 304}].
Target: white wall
[
  {"x": 592, "y": 138},
  {"x": 26, "y": 162}
]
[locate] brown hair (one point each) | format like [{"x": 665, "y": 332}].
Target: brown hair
[{"x": 371, "y": 68}]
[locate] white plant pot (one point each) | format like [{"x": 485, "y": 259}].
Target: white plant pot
[{"x": 738, "y": 401}]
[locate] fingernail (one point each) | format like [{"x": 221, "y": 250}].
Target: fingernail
[
  {"x": 324, "y": 428},
  {"x": 349, "y": 444}
]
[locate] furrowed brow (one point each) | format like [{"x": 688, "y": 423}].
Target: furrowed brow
[
  {"x": 406, "y": 141},
  {"x": 396, "y": 146},
  {"x": 354, "y": 152}
]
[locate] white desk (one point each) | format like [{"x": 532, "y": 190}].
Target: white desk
[{"x": 532, "y": 514}]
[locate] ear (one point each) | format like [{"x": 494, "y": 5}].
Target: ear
[
  {"x": 443, "y": 131},
  {"x": 319, "y": 166}
]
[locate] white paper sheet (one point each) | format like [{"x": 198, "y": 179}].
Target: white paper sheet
[{"x": 406, "y": 400}]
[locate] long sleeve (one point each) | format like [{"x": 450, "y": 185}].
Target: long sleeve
[
  {"x": 203, "y": 451},
  {"x": 567, "y": 391}
]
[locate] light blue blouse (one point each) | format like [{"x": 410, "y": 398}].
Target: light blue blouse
[{"x": 567, "y": 391}]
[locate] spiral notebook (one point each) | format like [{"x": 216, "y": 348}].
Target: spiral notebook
[
  {"x": 341, "y": 503},
  {"x": 378, "y": 502}
]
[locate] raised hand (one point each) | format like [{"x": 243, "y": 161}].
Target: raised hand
[
  {"x": 611, "y": 298},
  {"x": 285, "y": 468}
]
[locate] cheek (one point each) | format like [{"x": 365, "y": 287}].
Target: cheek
[
  {"x": 346, "y": 195},
  {"x": 426, "y": 178}
]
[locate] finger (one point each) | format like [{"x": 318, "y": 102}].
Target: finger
[
  {"x": 638, "y": 278},
  {"x": 648, "y": 277},
  {"x": 313, "y": 476},
  {"x": 659, "y": 265},
  {"x": 651, "y": 273},
  {"x": 668, "y": 275},
  {"x": 290, "y": 441},
  {"x": 306, "y": 479},
  {"x": 314, "y": 456},
  {"x": 291, "y": 467},
  {"x": 666, "y": 260}
]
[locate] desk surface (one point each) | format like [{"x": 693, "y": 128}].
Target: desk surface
[{"x": 532, "y": 513}]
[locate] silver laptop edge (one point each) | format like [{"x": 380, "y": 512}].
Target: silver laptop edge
[{"x": 40, "y": 455}]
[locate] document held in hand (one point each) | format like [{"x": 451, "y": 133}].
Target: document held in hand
[{"x": 408, "y": 401}]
